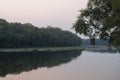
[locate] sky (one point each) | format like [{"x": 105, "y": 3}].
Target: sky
[{"x": 42, "y": 13}]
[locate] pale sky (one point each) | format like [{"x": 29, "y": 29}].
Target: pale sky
[{"x": 57, "y": 13}]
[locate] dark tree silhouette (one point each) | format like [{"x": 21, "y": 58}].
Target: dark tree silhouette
[
  {"x": 27, "y": 35},
  {"x": 101, "y": 19}
]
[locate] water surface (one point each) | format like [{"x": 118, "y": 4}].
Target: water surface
[{"x": 60, "y": 65}]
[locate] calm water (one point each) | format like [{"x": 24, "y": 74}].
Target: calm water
[{"x": 60, "y": 65}]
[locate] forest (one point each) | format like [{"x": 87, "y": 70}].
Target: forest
[{"x": 16, "y": 35}]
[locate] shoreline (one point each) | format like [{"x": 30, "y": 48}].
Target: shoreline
[{"x": 51, "y": 49}]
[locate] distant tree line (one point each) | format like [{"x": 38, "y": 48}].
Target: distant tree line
[
  {"x": 98, "y": 42},
  {"x": 27, "y": 35}
]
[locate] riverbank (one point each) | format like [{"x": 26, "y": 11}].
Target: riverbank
[
  {"x": 40, "y": 49},
  {"x": 95, "y": 48},
  {"x": 88, "y": 48}
]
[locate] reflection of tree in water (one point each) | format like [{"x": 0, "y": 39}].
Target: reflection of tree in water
[{"x": 15, "y": 63}]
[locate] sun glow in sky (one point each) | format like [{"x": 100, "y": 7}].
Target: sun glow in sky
[{"x": 57, "y": 13}]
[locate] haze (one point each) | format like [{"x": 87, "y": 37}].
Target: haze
[{"x": 41, "y": 13}]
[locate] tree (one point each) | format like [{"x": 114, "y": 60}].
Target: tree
[
  {"x": 27, "y": 35},
  {"x": 92, "y": 41},
  {"x": 100, "y": 18}
]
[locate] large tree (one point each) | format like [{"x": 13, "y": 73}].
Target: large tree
[{"x": 100, "y": 18}]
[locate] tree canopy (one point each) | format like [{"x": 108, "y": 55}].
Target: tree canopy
[
  {"x": 100, "y": 18},
  {"x": 27, "y": 35}
]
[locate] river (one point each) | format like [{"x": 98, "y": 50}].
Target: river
[{"x": 61, "y": 65}]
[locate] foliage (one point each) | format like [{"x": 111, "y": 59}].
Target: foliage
[
  {"x": 27, "y": 35},
  {"x": 100, "y": 18}
]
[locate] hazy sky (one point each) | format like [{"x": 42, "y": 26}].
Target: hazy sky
[{"x": 57, "y": 13}]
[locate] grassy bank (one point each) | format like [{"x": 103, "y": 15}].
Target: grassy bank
[{"x": 40, "y": 49}]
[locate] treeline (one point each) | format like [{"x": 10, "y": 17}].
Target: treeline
[
  {"x": 27, "y": 35},
  {"x": 98, "y": 42}
]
